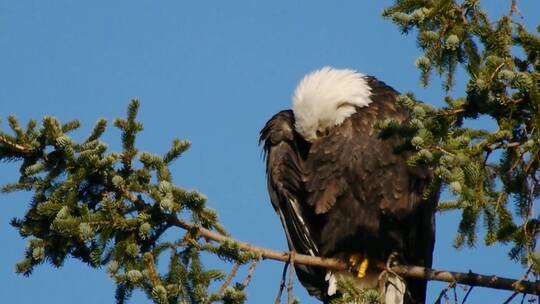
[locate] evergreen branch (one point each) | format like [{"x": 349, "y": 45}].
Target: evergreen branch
[
  {"x": 14, "y": 146},
  {"x": 511, "y": 297},
  {"x": 249, "y": 275},
  {"x": 470, "y": 278},
  {"x": 453, "y": 112},
  {"x": 282, "y": 283},
  {"x": 98, "y": 130},
  {"x": 514, "y": 9},
  {"x": 496, "y": 71},
  {"x": 502, "y": 84},
  {"x": 408, "y": 271},
  {"x": 150, "y": 266},
  {"x": 229, "y": 278},
  {"x": 467, "y": 295},
  {"x": 444, "y": 151},
  {"x": 455, "y": 293},
  {"x": 290, "y": 298}
]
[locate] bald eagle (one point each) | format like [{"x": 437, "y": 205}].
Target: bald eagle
[{"x": 343, "y": 192}]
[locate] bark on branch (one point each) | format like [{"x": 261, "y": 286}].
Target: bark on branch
[
  {"x": 408, "y": 271},
  {"x": 14, "y": 146}
]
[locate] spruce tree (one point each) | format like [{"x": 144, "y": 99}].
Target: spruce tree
[
  {"x": 109, "y": 209},
  {"x": 493, "y": 176}
]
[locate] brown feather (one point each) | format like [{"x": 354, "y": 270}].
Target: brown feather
[{"x": 352, "y": 190}]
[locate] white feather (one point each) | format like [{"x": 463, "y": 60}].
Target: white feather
[
  {"x": 395, "y": 290},
  {"x": 332, "y": 283},
  {"x": 327, "y": 97},
  {"x": 294, "y": 205}
]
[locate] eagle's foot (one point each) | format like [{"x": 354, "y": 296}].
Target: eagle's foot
[
  {"x": 362, "y": 268},
  {"x": 353, "y": 259},
  {"x": 360, "y": 264}
]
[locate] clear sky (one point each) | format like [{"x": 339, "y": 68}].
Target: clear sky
[{"x": 212, "y": 72}]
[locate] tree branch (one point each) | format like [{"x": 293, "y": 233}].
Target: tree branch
[
  {"x": 14, "y": 146},
  {"x": 229, "y": 279},
  {"x": 408, "y": 271}
]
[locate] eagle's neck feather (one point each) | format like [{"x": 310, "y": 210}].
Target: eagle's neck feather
[{"x": 325, "y": 98}]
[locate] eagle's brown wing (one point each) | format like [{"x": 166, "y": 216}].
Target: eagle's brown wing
[{"x": 284, "y": 150}]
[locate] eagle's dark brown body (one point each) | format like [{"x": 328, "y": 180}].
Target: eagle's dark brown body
[{"x": 350, "y": 192}]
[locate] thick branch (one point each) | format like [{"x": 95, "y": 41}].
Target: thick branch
[
  {"x": 470, "y": 278},
  {"x": 415, "y": 272}
]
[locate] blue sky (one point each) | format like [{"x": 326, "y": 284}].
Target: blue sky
[{"x": 212, "y": 72}]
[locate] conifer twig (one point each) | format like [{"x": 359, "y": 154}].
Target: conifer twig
[
  {"x": 282, "y": 283},
  {"x": 514, "y": 9},
  {"x": 149, "y": 261},
  {"x": 467, "y": 295},
  {"x": 290, "y": 283},
  {"x": 249, "y": 275},
  {"x": 511, "y": 297},
  {"x": 229, "y": 278},
  {"x": 523, "y": 298},
  {"x": 454, "y": 112},
  {"x": 14, "y": 146},
  {"x": 442, "y": 295}
]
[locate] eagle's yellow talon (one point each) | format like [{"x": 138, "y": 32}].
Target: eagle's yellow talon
[
  {"x": 363, "y": 268},
  {"x": 354, "y": 259}
]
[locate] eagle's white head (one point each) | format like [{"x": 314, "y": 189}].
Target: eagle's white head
[{"x": 325, "y": 98}]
